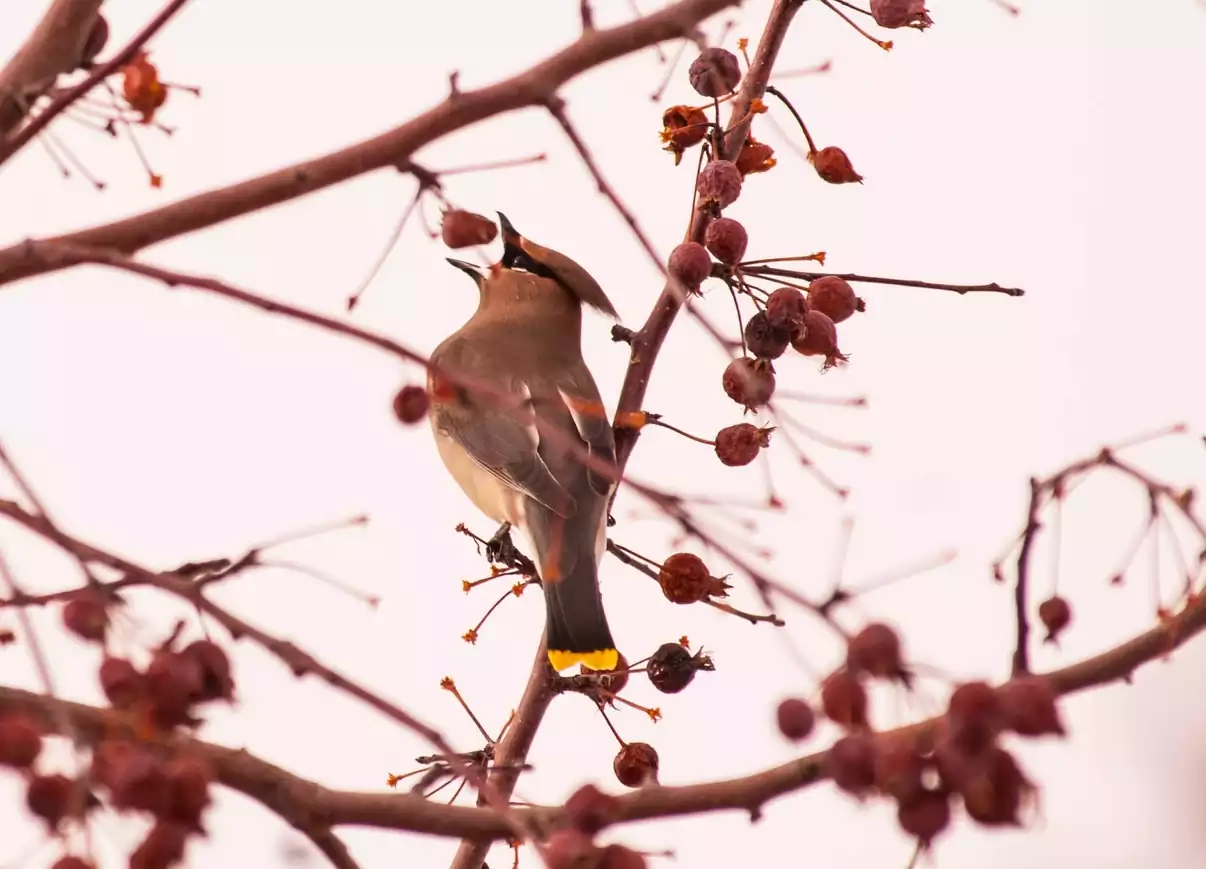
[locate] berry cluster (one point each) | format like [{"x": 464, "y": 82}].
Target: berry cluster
[{"x": 572, "y": 845}]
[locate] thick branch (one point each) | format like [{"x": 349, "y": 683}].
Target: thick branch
[
  {"x": 53, "y": 49},
  {"x": 535, "y": 87}
]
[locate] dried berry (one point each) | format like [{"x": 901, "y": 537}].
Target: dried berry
[
  {"x": 20, "y": 741},
  {"x": 994, "y": 790},
  {"x": 727, "y": 240},
  {"x": 719, "y": 184},
  {"x": 122, "y": 683},
  {"x": 844, "y": 699},
  {"x": 691, "y": 264},
  {"x": 834, "y": 166},
  {"x": 749, "y": 382},
  {"x": 683, "y": 127},
  {"x": 86, "y": 617},
  {"x": 464, "y": 229},
  {"x": 613, "y": 680},
  {"x": 570, "y": 849},
  {"x": 162, "y": 848},
  {"x": 795, "y": 718},
  {"x": 901, "y": 13},
  {"x": 141, "y": 86},
  {"x": 684, "y": 579},
  {"x": 875, "y": 650},
  {"x": 714, "y": 73},
  {"x": 900, "y": 767},
  {"x": 850, "y": 762},
  {"x": 174, "y": 682},
  {"x": 755, "y": 157},
  {"x": 834, "y": 297},
  {"x": 818, "y": 337},
  {"x": 619, "y": 857},
  {"x": 589, "y": 810},
  {"x": 70, "y": 861},
  {"x": 1028, "y": 707},
  {"x": 635, "y": 764},
  {"x": 136, "y": 778},
  {"x": 764, "y": 340},
  {"x": 672, "y": 668},
  {"x": 410, "y": 404},
  {"x": 925, "y": 816},
  {"x": 1056, "y": 614},
  {"x": 188, "y": 780},
  {"x": 786, "y": 309},
  {"x": 739, "y": 444},
  {"x": 50, "y": 797},
  {"x": 216, "y": 680},
  {"x": 973, "y": 716}
]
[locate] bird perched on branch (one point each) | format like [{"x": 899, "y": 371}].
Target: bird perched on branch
[{"x": 515, "y": 443}]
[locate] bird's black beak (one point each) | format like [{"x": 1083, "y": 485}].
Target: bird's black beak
[
  {"x": 512, "y": 252},
  {"x": 468, "y": 268}
]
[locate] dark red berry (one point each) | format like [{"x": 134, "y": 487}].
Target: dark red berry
[
  {"x": 834, "y": 166},
  {"x": 410, "y": 404},
  {"x": 738, "y": 445},
  {"x": 714, "y": 73},
  {"x": 672, "y": 668},
  {"x": 216, "y": 680},
  {"x": 719, "y": 184},
  {"x": 974, "y": 716},
  {"x": 619, "y": 857},
  {"x": 899, "y": 767},
  {"x": 925, "y": 816},
  {"x": 691, "y": 264},
  {"x": 162, "y": 848},
  {"x": 834, "y": 298},
  {"x": 589, "y": 810},
  {"x": 818, "y": 337},
  {"x": 86, "y": 617},
  {"x": 20, "y": 740},
  {"x": 875, "y": 650},
  {"x": 684, "y": 579},
  {"x": 727, "y": 240},
  {"x": 135, "y": 777},
  {"x": 995, "y": 788},
  {"x": 50, "y": 798},
  {"x": 568, "y": 848},
  {"x": 850, "y": 762},
  {"x": 636, "y": 764},
  {"x": 174, "y": 682},
  {"x": 901, "y": 13},
  {"x": 1028, "y": 707},
  {"x": 1056, "y": 614},
  {"x": 844, "y": 699},
  {"x": 465, "y": 229},
  {"x": 785, "y": 310},
  {"x": 122, "y": 683},
  {"x": 613, "y": 680},
  {"x": 188, "y": 780},
  {"x": 749, "y": 382},
  {"x": 764, "y": 340},
  {"x": 795, "y": 718}
]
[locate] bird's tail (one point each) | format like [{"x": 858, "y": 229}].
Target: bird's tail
[{"x": 567, "y": 551}]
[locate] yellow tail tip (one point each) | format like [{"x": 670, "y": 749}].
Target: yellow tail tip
[{"x": 600, "y": 659}]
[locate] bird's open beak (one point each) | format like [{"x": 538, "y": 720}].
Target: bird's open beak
[{"x": 468, "y": 268}]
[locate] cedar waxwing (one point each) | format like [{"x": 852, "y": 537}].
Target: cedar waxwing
[{"x": 525, "y": 341}]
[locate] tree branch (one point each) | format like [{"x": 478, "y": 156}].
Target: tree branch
[{"x": 534, "y": 87}]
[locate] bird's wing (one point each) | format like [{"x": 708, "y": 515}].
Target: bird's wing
[{"x": 581, "y": 396}]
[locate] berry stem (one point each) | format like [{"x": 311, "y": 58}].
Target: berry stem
[
  {"x": 818, "y": 257},
  {"x": 886, "y": 46},
  {"x": 774, "y": 91},
  {"x": 611, "y": 726},
  {"x": 769, "y": 272},
  {"x": 654, "y": 420}
]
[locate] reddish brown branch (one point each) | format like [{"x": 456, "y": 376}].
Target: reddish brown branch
[{"x": 1021, "y": 652}]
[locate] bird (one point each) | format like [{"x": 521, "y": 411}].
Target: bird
[{"x": 524, "y": 343}]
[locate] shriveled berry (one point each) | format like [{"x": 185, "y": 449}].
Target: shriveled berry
[
  {"x": 1056, "y": 614},
  {"x": 834, "y": 297},
  {"x": 684, "y": 579},
  {"x": 1028, "y": 707},
  {"x": 738, "y": 445},
  {"x": 410, "y": 404},
  {"x": 20, "y": 740},
  {"x": 216, "y": 680},
  {"x": 974, "y": 716},
  {"x": 636, "y": 764},
  {"x": 925, "y": 816},
  {"x": 795, "y": 718},
  {"x": 568, "y": 848},
  {"x": 162, "y": 848},
  {"x": 618, "y": 857},
  {"x": 672, "y": 668},
  {"x": 589, "y": 810},
  {"x": 844, "y": 699},
  {"x": 122, "y": 683},
  {"x": 850, "y": 762},
  {"x": 70, "y": 861},
  {"x": 875, "y": 650},
  {"x": 786, "y": 308},
  {"x": 818, "y": 337},
  {"x": 86, "y": 617},
  {"x": 464, "y": 229},
  {"x": 749, "y": 382},
  {"x": 899, "y": 767},
  {"x": 755, "y": 157},
  {"x": 174, "y": 682},
  {"x": 690, "y": 263},
  {"x": 764, "y": 340},
  {"x": 188, "y": 780},
  {"x": 714, "y": 73},
  {"x": 901, "y": 13},
  {"x": 683, "y": 127},
  {"x": 719, "y": 184},
  {"x": 994, "y": 791},
  {"x": 50, "y": 797},
  {"x": 727, "y": 240},
  {"x": 613, "y": 680},
  {"x": 834, "y": 166}
]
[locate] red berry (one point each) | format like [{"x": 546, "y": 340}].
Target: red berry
[
  {"x": 901, "y": 13},
  {"x": 20, "y": 740},
  {"x": 50, "y": 797},
  {"x": 410, "y": 404},
  {"x": 86, "y": 617},
  {"x": 727, "y": 240},
  {"x": 188, "y": 780},
  {"x": 834, "y": 298},
  {"x": 174, "y": 682},
  {"x": 739, "y": 444},
  {"x": 589, "y": 810},
  {"x": 636, "y": 764},
  {"x": 1056, "y": 614},
  {"x": 818, "y": 337},
  {"x": 216, "y": 680},
  {"x": 1028, "y": 707},
  {"x": 749, "y": 382},
  {"x": 844, "y": 699},
  {"x": 122, "y": 683},
  {"x": 925, "y": 816},
  {"x": 796, "y": 718},
  {"x": 464, "y": 229},
  {"x": 994, "y": 789},
  {"x": 691, "y": 264},
  {"x": 570, "y": 849},
  {"x": 786, "y": 308},
  {"x": 875, "y": 650},
  {"x": 683, "y": 128},
  {"x": 613, "y": 680},
  {"x": 136, "y": 778},
  {"x": 974, "y": 716},
  {"x": 714, "y": 73},
  {"x": 834, "y": 166},
  {"x": 719, "y": 184},
  {"x": 684, "y": 579},
  {"x": 755, "y": 157},
  {"x": 764, "y": 340},
  {"x": 619, "y": 857},
  {"x": 899, "y": 767},
  {"x": 162, "y": 848},
  {"x": 850, "y": 762}
]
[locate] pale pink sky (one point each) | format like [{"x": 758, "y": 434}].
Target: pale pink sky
[{"x": 1059, "y": 151}]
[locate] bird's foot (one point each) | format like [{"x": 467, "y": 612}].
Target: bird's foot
[{"x": 500, "y": 549}]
